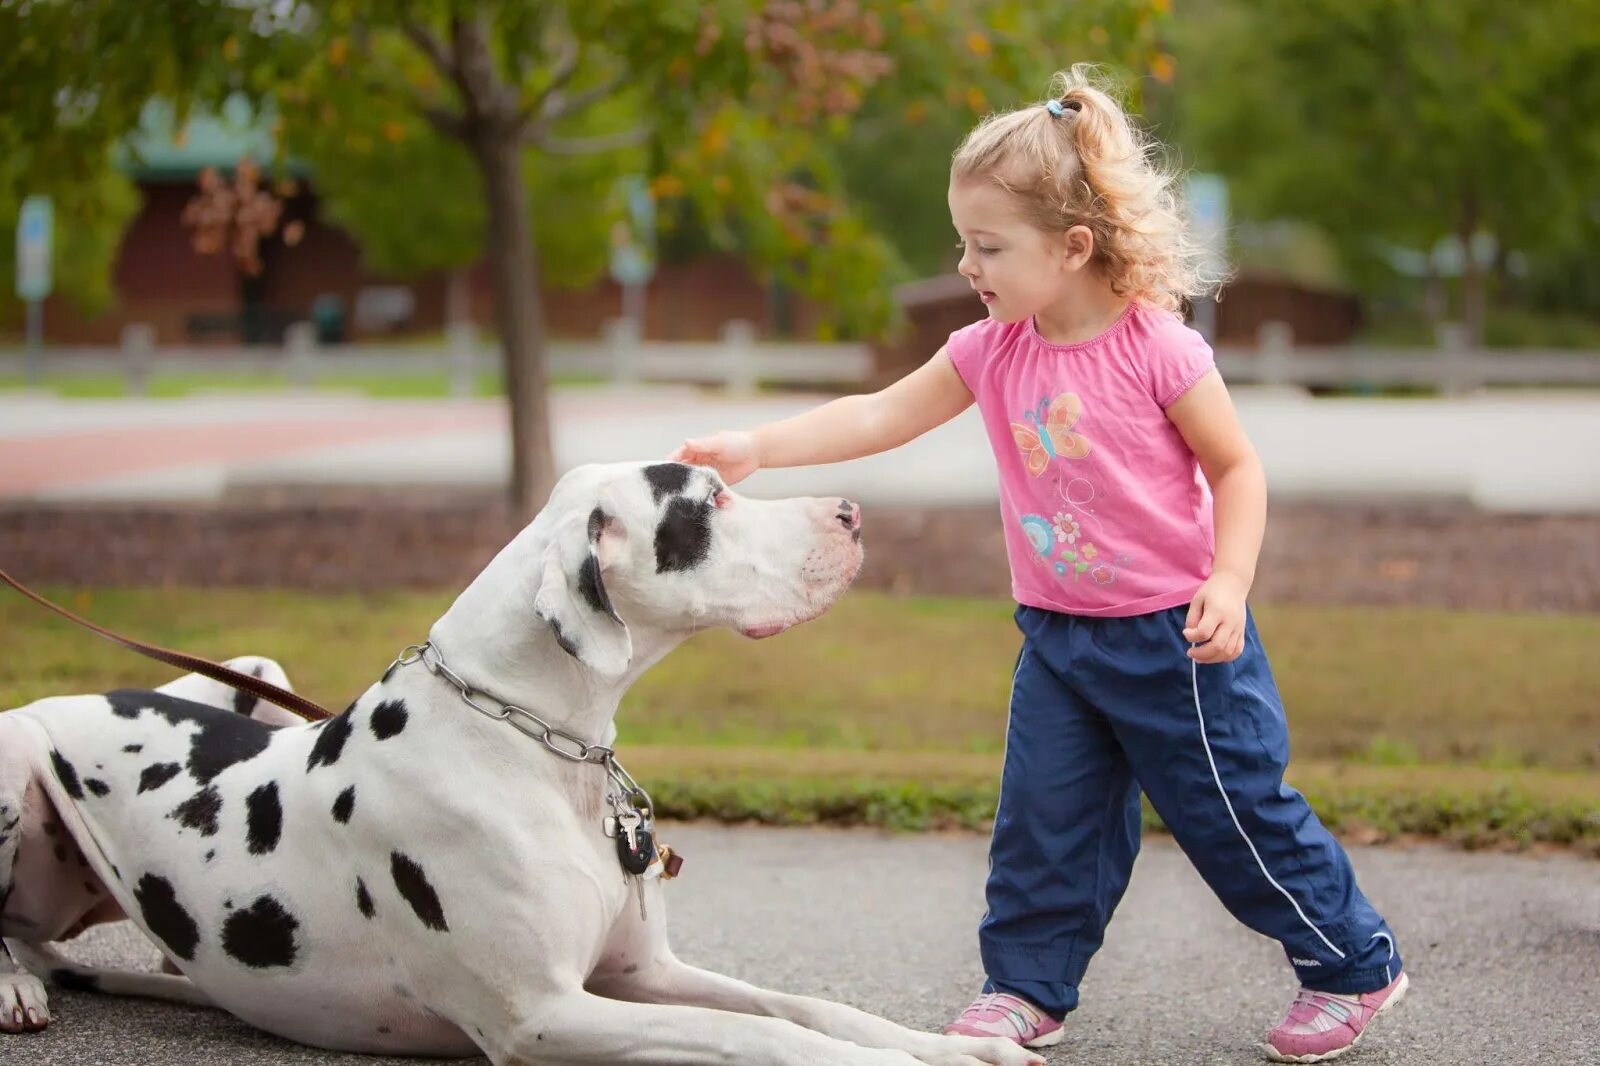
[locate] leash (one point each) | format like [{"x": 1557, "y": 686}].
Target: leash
[
  {"x": 265, "y": 690},
  {"x": 632, "y": 826}
]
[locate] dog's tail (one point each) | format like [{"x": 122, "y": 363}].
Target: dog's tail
[{"x": 46, "y": 962}]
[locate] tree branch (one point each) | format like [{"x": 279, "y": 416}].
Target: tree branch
[
  {"x": 606, "y": 142},
  {"x": 448, "y": 122},
  {"x": 432, "y": 47},
  {"x": 559, "y": 107},
  {"x": 566, "y": 65}
]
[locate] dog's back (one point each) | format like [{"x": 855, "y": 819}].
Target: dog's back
[{"x": 228, "y": 842}]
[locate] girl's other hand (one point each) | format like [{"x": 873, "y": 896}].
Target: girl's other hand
[
  {"x": 730, "y": 453},
  {"x": 1215, "y": 624}
]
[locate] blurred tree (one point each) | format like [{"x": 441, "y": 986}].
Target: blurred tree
[
  {"x": 441, "y": 129},
  {"x": 1395, "y": 125},
  {"x": 73, "y": 77},
  {"x": 897, "y": 155}
]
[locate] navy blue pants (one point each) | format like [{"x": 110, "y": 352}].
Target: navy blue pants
[{"x": 1104, "y": 707}]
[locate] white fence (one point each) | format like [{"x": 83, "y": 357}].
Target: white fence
[{"x": 740, "y": 362}]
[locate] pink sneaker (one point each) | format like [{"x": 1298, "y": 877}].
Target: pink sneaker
[
  {"x": 1324, "y": 1025},
  {"x": 1010, "y": 1017}
]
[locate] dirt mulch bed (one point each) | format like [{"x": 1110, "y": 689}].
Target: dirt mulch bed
[{"x": 1434, "y": 554}]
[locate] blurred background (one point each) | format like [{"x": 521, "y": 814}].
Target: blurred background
[{"x": 312, "y": 301}]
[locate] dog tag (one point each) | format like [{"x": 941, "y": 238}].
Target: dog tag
[{"x": 635, "y": 849}]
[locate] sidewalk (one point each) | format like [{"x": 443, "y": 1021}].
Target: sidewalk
[{"x": 1503, "y": 451}]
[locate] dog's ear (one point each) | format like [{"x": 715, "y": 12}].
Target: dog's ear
[{"x": 572, "y": 594}]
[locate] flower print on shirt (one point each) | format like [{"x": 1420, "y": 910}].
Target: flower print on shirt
[{"x": 1047, "y": 433}]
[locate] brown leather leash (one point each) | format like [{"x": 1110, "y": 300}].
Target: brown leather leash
[{"x": 265, "y": 690}]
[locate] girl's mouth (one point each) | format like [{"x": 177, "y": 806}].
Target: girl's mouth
[{"x": 986, "y": 296}]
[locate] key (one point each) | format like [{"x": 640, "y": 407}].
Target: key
[{"x": 640, "y": 882}]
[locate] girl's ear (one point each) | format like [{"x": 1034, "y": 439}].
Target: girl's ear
[{"x": 1077, "y": 247}]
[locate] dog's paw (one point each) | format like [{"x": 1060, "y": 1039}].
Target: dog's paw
[
  {"x": 23, "y": 1005},
  {"x": 995, "y": 1051}
]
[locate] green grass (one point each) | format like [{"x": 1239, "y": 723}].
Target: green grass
[
  {"x": 1476, "y": 727},
  {"x": 170, "y": 386}
]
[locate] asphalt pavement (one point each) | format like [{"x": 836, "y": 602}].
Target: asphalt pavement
[{"x": 1503, "y": 951}]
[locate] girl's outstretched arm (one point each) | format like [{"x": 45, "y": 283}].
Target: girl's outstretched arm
[{"x": 847, "y": 428}]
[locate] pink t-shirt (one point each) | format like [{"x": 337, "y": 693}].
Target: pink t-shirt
[{"x": 1105, "y": 509}]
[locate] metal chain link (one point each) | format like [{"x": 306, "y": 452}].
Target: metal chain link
[{"x": 552, "y": 737}]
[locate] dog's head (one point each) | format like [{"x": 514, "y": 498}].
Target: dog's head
[{"x": 670, "y": 547}]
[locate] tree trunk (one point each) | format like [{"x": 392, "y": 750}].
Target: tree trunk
[
  {"x": 520, "y": 318},
  {"x": 1474, "y": 287}
]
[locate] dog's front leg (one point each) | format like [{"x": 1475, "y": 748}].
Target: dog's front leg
[
  {"x": 667, "y": 980},
  {"x": 582, "y": 1028}
]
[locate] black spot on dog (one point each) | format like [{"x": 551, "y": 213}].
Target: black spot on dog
[
  {"x": 200, "y": 811},
  {"x": 592, "y": 588},
  {"x": 632, "y": 967},
  {"x": 388, "y": 719},
  {"x": 566, "y": 642},
  {"x": 402, "y": 991},
  {"x": 97, "y": 786},
  {"x": 211, "y": 855},
  {"x": 52, "y": 828},
  {"x": 157, "y": 774},
  {"x": 383, "y": 1029},
  {"x": 415, "y": 890},
  {"x": 244, "y": 702},
  {"x": 221, "y": 739},
  {"x": 562, "y": 639},
  {"x": 133, "y": 749},
  {"x": 61, "y": 853},
  {"x": 91, "y": 888},
  {"x": 330, "y": 740},
  {"x": 261, "y": 935},
  {"x": 66, "y": 774},
  {"x": 263, "y": 818},
  {"x": 344, "y": 805},
  {"x": 683, "y": 536},
  {"x": 165, "y": 916},
  {"x": 666, "y": 479},
  {"x": 74, "y": 980},
  {"x": 116, "y": 872},
  {"x": 363, "y": 900}
]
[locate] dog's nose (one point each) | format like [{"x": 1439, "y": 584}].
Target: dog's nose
[{"x": 849, "y": 516}]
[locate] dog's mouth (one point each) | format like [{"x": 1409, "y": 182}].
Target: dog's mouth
[{"x": 771, "y": 629}]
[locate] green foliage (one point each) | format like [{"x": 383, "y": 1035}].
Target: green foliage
[
  {"x": 1398, "y": 124},
  {"x": 750, "y": 111},
  {"x": 90, "y": 214},
  {"x": 993, "y": 56}
]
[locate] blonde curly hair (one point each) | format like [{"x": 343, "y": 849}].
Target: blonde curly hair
[{"x": 1077, "y": 159}]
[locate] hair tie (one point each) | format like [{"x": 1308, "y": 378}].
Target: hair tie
[{"x": 1055, "y": 108}]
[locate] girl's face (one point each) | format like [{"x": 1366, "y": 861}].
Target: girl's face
[{"x": 1017, "y": 270}]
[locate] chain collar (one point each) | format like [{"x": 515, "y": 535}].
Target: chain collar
[{"x": 567, "y": 745}]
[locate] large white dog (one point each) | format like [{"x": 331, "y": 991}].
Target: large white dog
[{"x": 423, "y": 874}]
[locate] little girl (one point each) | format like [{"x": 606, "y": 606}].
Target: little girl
[{"x": 1140, "y": 665}]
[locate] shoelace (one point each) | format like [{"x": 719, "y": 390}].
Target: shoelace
[
  {"x": 1015, "y": 1010},
  {"x": 1339, "y": 1008}
]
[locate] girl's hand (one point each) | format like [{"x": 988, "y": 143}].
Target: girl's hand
[
  {"x": 1216, "y": 620},
  {"x": 731, "y": 454}
]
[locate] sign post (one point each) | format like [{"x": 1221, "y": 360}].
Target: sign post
[
  {"x": 633, "y": 261},
  {"x": 1207, "y": 199},
  {"x": 34, "y": 225}
]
